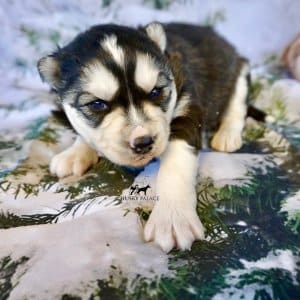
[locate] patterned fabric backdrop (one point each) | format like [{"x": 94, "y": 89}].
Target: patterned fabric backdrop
[{"x": 81, "y": 238}]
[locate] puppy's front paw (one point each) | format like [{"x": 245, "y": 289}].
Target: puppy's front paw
[
  {"x": 73, "y": 161},
  {"x": 169, "y": 227},
  {"x": 227, "y": 140}
]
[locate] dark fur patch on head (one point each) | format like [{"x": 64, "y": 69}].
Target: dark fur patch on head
[{"x": 67, "y": 61}]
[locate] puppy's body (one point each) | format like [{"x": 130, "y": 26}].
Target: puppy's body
[
  {"x": 211, "y": 71},
  {"x": 133, "y": 95}
]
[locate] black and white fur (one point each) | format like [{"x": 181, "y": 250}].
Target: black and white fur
[{"x": 163, "y": 84}]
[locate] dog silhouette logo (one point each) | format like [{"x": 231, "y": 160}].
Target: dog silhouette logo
[
  {"x": 133, "y": 189},
  {"x": 141, "y": 191},
  {"x": 137, "y": 190}
]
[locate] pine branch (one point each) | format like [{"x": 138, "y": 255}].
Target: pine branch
[{"x": 8, "y": 268}]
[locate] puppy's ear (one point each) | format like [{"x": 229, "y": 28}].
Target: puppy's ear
[
  {"x": 157, "y": 34},
  {"x": 50, "y": 70}
]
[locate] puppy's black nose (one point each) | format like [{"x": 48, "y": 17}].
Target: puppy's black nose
[{"x": 143, "y": 144}]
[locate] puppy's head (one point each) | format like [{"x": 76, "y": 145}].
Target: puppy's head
[{"x": 117, "y": 90}]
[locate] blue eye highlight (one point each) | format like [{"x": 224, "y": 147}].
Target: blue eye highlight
[
  {"x": 155, "y": 93},
  {"x": 98, "y": 105}
]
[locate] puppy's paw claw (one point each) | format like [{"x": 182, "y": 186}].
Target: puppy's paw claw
[
  {"x": 168, "y": 228},
  {"x": 73, "y": 161},
  {"x": 227, "y": 140}
]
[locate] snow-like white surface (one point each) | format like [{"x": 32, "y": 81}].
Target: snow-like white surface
[
  {"x": 280, "y": 259},
  {"x": 230, "y": 168},
  {"x": 46, "y": 202},
  {"x": 28, "y": 116},
  {"x": 286, "y": 91},
  {"x": 291, "y": 205},
  {"x": 66, "y": 255}
]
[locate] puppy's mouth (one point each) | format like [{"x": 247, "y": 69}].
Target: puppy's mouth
[{"x": 142, "y": 160}]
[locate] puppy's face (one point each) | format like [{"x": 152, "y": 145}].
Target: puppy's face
[{"x": 117, "y": 90}]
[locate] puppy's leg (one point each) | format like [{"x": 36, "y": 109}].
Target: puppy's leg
[
  {"x": 174, "y": 220},
  {"x": 228, "y": 138},
  {"x": 75, "y": 160}
]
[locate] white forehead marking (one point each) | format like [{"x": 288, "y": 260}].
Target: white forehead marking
[
  {"x": 146, "y": 72},
  {"x": 110, "y": 45},
  {"x": 99, "y": 81}
]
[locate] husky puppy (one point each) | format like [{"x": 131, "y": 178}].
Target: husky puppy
[{"x": 137, "y": 94}]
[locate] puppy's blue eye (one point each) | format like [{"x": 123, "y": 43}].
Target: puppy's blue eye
[
  {"x": 98, "y": 105},
  {"x": 155, "y": 93}
]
